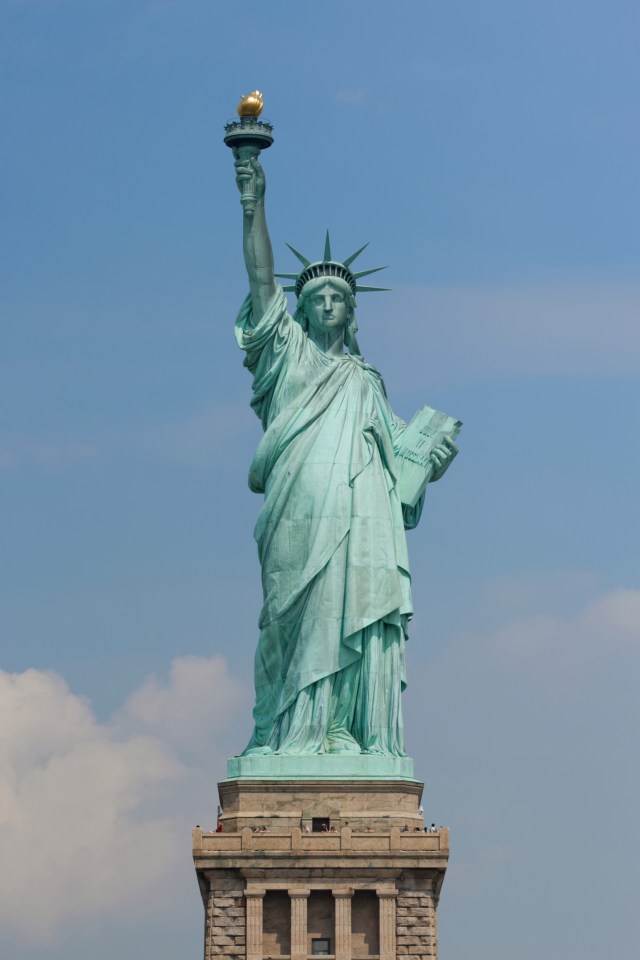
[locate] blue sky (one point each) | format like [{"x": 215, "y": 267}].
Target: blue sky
[{"x": 489, "y": 153}]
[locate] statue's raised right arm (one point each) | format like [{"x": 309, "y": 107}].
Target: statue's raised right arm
[{"x": 258, "y": 255}]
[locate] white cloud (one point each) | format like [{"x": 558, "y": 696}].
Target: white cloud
[
  {"x": 197, "y": 437},
  {"x": 581, "y": 330},
  {"x": 190, "y": 708},
  {"x": 49, "y": 452},
  {"x": 615, "y": 617},
  {"x": 192, "y": 439},
  {"x": 606, "y": 626},
  {"x": 464, "y": 875},
  {"x": 97, "y": 815},
  {"x": 355, "y": 97},
  {"x": 527, "y": 736}
]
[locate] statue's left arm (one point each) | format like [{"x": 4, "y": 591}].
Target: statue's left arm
[{"x": 442, "y": 457}]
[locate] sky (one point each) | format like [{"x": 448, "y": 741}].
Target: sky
[{"x": 489, "y": 154}]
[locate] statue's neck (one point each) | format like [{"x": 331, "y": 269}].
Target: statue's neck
[{"x": 330, "y": 342}]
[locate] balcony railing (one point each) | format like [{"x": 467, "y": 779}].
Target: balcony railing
[{"x": 298, "y": 841}]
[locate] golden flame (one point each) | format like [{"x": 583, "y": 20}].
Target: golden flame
[{"x": 251, "y": 105}]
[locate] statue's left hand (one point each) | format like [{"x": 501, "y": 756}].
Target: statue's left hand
[{"x": 442, "y": 457}]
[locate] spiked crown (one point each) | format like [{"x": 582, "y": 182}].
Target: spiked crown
[{"x": 328, "y": 268}]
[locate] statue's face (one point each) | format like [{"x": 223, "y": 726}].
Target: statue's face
[{"x": 327, "y": 309}]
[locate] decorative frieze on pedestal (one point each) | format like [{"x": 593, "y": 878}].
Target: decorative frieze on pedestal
[{"x": 302, "y": 870}]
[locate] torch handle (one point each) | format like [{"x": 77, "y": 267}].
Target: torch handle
[{"x": 248, "y": 197}]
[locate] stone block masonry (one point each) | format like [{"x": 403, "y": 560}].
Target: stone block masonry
[
  {"x": 308, "y": 869},
  {"x": 225, "y": 927}
]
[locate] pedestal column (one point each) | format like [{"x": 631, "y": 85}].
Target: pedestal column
[
  {"x": 387, "y": 903},
  {"x": 254, "y": 924},
  {"x": 299, "y": 923},
  {"x": 342, "y": 897}
]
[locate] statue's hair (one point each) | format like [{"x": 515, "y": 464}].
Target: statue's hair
[{"x": 319, "y": 283}]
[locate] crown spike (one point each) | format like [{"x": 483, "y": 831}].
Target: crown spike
[
  {"x": 365, "y": 273},
  {"x": 353, "y": 256},
  {"x": 327, "y": 267},
  {"x": 303, "y": 260}
]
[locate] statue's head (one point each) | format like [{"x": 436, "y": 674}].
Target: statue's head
[
  {"x": 325, "y": 303},
  {"x": 328, "y": 273}
]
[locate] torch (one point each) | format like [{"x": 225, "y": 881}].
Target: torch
[{"x": 247, "y": 137}]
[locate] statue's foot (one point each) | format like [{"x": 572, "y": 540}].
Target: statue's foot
[
  {"x": 257, "y": 752},
  {"x": 342, "y": 742}
]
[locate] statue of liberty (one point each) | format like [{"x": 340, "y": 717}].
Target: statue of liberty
[{"x": 330, "y": 661}]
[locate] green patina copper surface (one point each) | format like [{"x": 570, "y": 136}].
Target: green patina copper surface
[
  {"x": 330, "y": 662},
  {"x": 320, "y": 767}
]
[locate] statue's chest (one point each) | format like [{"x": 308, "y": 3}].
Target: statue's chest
[{"x": 347, "y": 378}]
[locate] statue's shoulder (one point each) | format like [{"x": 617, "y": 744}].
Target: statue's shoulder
[{"x": 374, "y": 374}]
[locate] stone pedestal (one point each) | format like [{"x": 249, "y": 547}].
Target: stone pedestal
[{"x": 333, "y": 868}]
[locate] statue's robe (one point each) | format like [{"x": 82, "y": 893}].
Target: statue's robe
[{"x": 329, "y": 666}]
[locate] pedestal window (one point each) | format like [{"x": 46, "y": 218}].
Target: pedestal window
[
  {"x": 276, "y": 924},
  {"x": 320, "y": 946},
  {"x": 321, "y": 922},
  {"x": 365, "y": 925}
]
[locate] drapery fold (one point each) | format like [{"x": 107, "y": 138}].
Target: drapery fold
[{"x": 329, "y": 666}]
